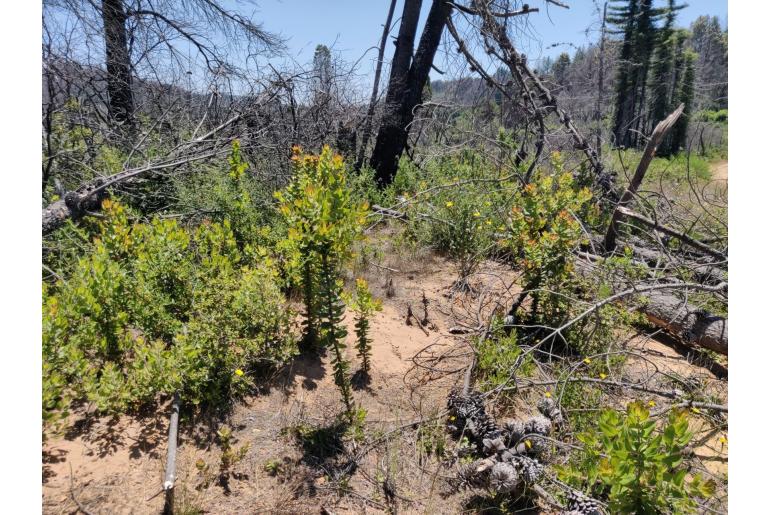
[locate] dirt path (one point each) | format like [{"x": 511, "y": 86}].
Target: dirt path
[{"x": 719, "y": 170}]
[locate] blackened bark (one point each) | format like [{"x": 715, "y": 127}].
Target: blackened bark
[
  {"x": 121, "y": 104},
  {"x": 384, "y": 159},
  {"x": 394, "y": 131},
  {"x": 402, "y": 57}
]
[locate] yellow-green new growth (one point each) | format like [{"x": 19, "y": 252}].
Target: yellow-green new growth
[
  {"x": 323, "y": 220},
  {"x": 364, "y": 306}
]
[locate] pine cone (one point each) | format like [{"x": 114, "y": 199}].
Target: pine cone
[
  {"x": 504, "y": 478},
  {"x": 548, "y": 407},
  {"x": 538, "y": 425},
  {"x": 579, "y": 504},
  {"x": 529, "y": 469},
  {"x": 515, "y": 431}
]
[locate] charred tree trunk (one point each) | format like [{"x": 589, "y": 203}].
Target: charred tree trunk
[
  {"x": 665, "y": 309},
  {"x": 384, "y": 159},
  {"x": 121, "y": 101},
  {"x": 366, "y": 133},
  {"x": 693, "y": 325},
  {"x": 404, "y": 96}
]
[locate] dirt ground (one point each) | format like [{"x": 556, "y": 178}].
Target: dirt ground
[
  {"x": 104, "y": 465},
  {"x": 719, "y": 171}
]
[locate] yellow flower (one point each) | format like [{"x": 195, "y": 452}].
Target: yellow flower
[
  {"x": 527, "y": 444},
  {"x": 695, "y": 410},
  {"x": 238, "y": 372},
  {"x": 489, "y": 222},
  {"x": 452, "y": 418},
  {"x": 651, "y": 404},
  {"x": 548, "y": 394},
  {"x": 722, "y": 440},
  {"x": 477, "y": 214},
  {"x": 450, "y": 204},
  {"x": 587, "y": 361},
  {"x": 603, "y": 376}
]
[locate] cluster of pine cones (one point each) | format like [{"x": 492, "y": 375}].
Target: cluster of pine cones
[{"x": 512, "y": 450}]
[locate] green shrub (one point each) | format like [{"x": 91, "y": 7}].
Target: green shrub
[
  {"x": 460, "y": 211},
  {"x": 155, "y": 308},
  {"x": 235, "y": 194},
  {"x": 543, "y": 232},
  {"x": 324, "y": 220},
  {"x": 497, "y": 359},
  {"x": 713, "y": 116},
  {"x": 636, "y": 467}
]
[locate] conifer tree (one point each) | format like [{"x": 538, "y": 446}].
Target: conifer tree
[
  {"x": 637, "y": 20},
  {"x": 662, "y": 84},
  {"x": 685, "y": 95}
]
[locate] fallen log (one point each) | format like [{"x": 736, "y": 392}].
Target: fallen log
[
  {"x": 693, "y": 325},
  {"x": 707, "y": 273},
  {"x": 89, "y": 196},
  {"x": 73, "y": 206}
]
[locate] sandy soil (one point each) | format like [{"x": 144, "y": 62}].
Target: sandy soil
[{"x": 719, "y": 171}]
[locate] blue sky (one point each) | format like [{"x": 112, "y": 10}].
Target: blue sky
[{"x": 350, "y": 27}]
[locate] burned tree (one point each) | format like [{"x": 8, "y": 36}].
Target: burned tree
[
  {"x": 121, "y": 100},
  {"x": 407, "y": 80}
]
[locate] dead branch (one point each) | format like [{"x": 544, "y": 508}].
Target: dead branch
[
  {"x": 652, "y": 224},
  {"x": 663, "y": 127},
  {"x": 88, "y": 197}
]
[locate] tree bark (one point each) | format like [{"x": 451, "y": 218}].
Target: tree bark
[
  {"x": 121, "y": 102},
  {"x": 403, "y": 97},
  {"x": 366, "y": 133},
  {"x": 694, "y": 326}
]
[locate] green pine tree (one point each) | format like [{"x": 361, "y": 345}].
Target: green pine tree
[{"x": 685, "y": 95}]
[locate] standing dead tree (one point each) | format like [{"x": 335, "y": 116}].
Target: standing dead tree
[
  {"x": 121, "y": 103},
  {"x": 407, "y": 79},
  {"x": 663, "y": 127}
]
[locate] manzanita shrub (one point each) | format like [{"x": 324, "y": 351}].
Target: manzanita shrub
[
  {"x": 637, "y": 466},
  {"x": 324, "y": 220},
  {"x": 157, "y": 308}
]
